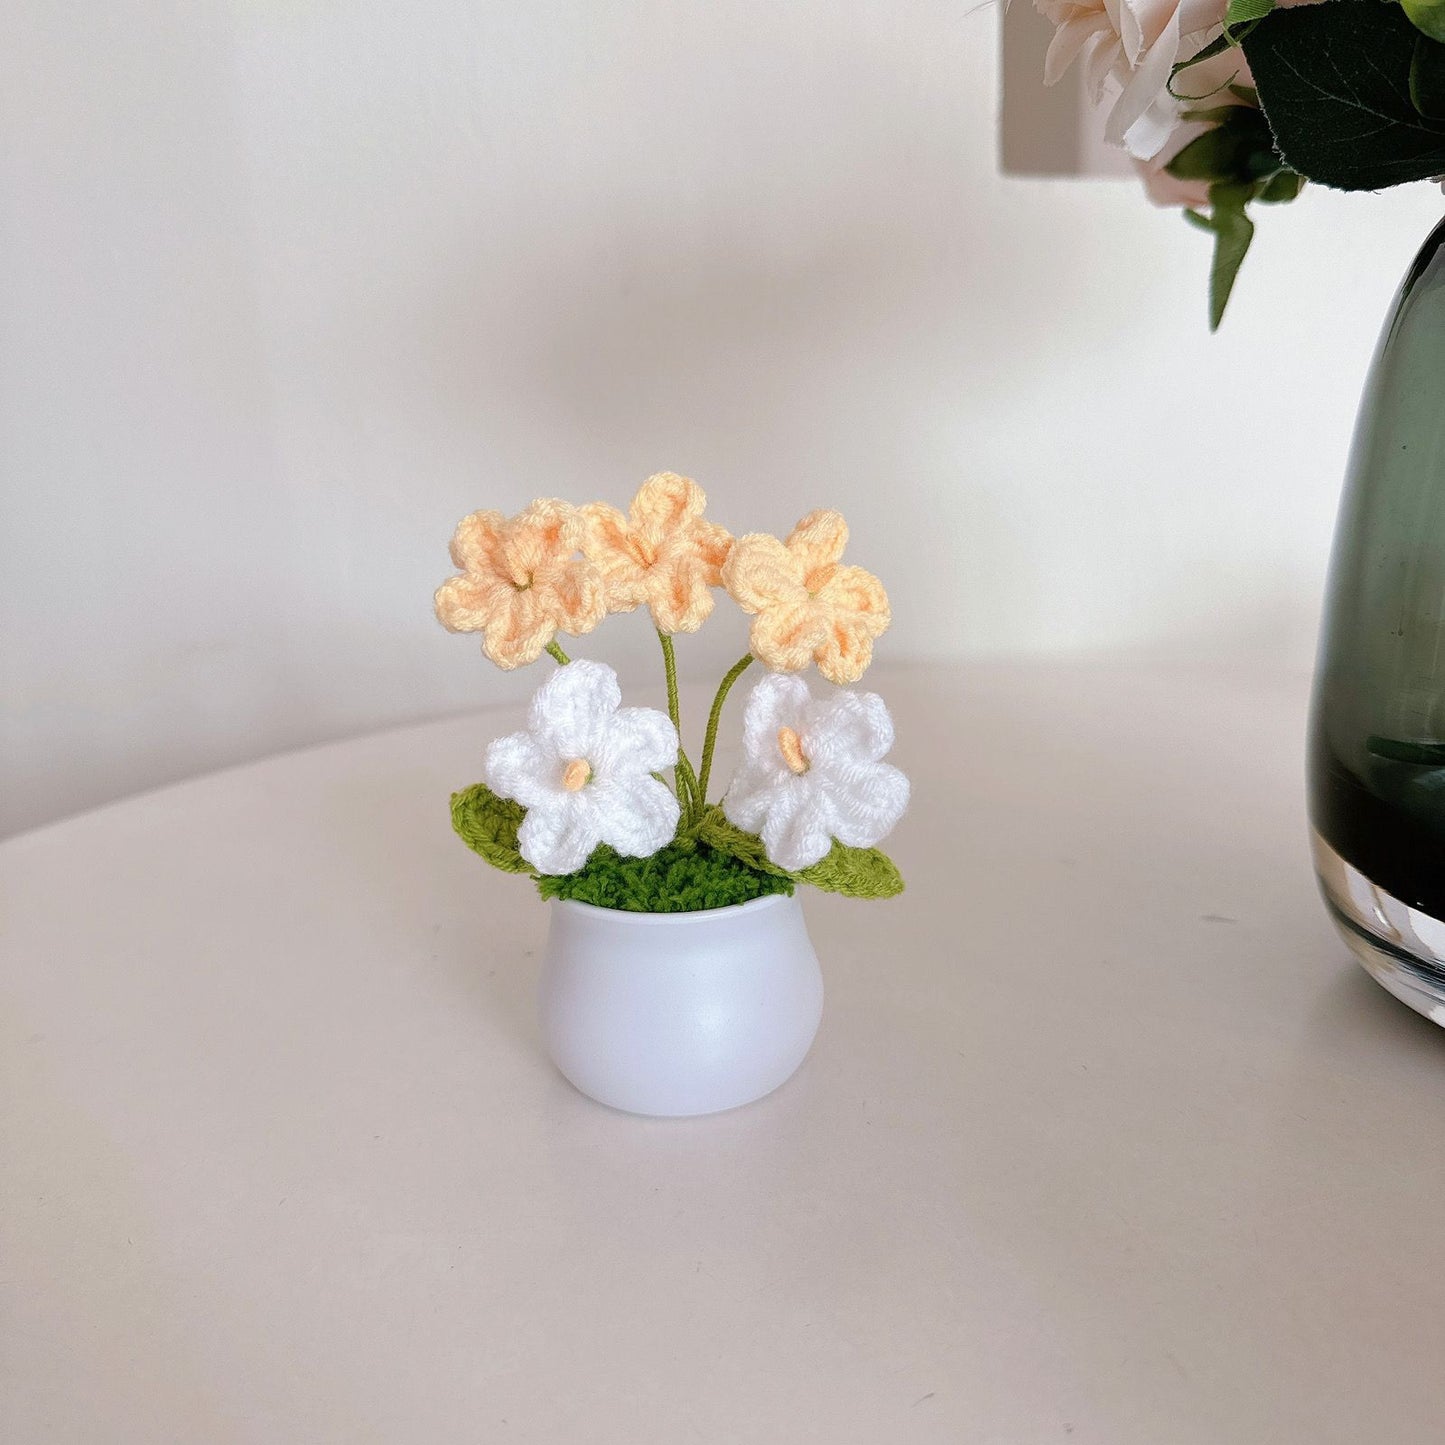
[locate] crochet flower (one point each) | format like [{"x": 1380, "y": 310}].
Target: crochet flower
[
  {"x": 520, "y": 581},
  {"x": 808, "y": 606},
  {"x": 661, "y": 554},
  {"x": 583, "y": 771},
  {"x": 812, "y": 772}
]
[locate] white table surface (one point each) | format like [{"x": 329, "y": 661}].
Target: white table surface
[{"x": 1104, "y": 1138}]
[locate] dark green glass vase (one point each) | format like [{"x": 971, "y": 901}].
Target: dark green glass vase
[{"x": 1377, "y": 736}]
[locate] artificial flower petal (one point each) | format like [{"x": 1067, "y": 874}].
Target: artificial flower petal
[
  {"x": 518, "y": 767},
  {"x": 583, "y": 769},
  {"x": 637, "y": 815},
  {"x": 570, "y": 711},
  {"x": 661, "y": 555},
  {"x": 843, "y": 790},
  {"x": 796, "y": 831},
  {"x": 807, "y": 607},
  {"x": 818, "y": 542},
  {"x": 557, "y": 839},
  {"x": 520, "y": 581},
  {"x": 637, "y": 740},
  {"x": 847, "y": 726}
]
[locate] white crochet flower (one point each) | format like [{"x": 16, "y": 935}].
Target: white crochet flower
[
  {"x": 583, "y": 771},
  {"x": 812, "y": 771}
]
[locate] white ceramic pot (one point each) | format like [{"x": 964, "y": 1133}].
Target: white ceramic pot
[{"x": 680, "y": 1013}]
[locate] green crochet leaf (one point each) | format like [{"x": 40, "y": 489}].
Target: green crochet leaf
[
  {"x": 715, "y": 830},
  {"x": 488, "y": 826},
  {"x": 855, "y": 872}
]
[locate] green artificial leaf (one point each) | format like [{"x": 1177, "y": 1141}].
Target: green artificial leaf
[
  {"x": 1427, "y": 78},
  {"x": 1427, "y": 16},
  {"x": 856, "y": 872},
  {"x": 715, "y": 830},
  {"x": 1240, "y": 18},
  {"x": 1238, "y": 160},
  {"x": 1212, "y": 115},
  {"x": 1238, "y": 149},
  {"x": 488, "y": 826},
  {"x": 1281, "y": 187},
  {"x": 1216, "y": 155},
  {"x": 1217, "y": 46},
  {"x": 1233, "y": 231},
  {"x": 1334, "y": 84},
  {"x": 1244, "y": 13}
]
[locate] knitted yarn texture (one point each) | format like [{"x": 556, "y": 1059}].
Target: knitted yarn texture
[
  {"x": 807, "y": 606},
  {"x": 583, "y": 769},
  {"x": 813, "y": 772},
  {"x": 520, "y": 581},
  {"x": 662, "y": 554}
]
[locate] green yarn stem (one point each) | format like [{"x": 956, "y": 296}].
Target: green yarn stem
[
  {"x": 709, "y": 742},
  {"x": 687, "y": 791},
  {"x": 554, "y": 651}
]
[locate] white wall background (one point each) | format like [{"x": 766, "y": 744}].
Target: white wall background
[{"x": 290, "y": 285}]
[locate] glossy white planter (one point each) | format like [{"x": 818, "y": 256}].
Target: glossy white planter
[{"x": 680, "y": 1013}]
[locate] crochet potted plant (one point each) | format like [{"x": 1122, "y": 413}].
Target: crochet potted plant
[{"x": 678, "y": 977}]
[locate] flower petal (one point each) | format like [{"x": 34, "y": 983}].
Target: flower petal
[
  {"x": 866, "y": 803},
  {"x": 542, "y": 534},
  {"x": 679, "y": 595},
  {"x": 559, "y": 835},
  {"x": 856, "y": 590},
  {"x": 847, "y": 728},
  {"x": 713, "y": 543},
  {"x": 760, "y": 572},
  {"x": 517, "y": 633},
  {"x": 571, "y": 709},
  {"x": 635, "y": 741},
  {"x": 754, "y": 792},
  {"x": 575, "y": 598},
  {"x": 637, "y": 816},
  {"x": 1069, "y": 39},
  {"x": 665, "y": 503},
  {"x": 604, "y": 534},
  {"x": 844, "y": 654},
  {"x": 518, "y": 767},
  {"x": 776, "y": 701},
  {"x": 1141, "y": 91},
  {"x": 606, "y": 544},
  {"x": 785, "y": 637},
  {"x": 474, "y": 543},
  {"x": 817, "y": 542},
  {"x": 469, "y": 602},
  {"x": 796, "y": 832}
]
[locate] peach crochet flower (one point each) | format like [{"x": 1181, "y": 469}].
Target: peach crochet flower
[
  {"x": 520, "y": 581},
  {"x": 807, "y": 606},
  {"x": 661, "y": 554}
]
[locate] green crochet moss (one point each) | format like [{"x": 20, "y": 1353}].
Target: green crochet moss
[{"x": 679, "y": 878}]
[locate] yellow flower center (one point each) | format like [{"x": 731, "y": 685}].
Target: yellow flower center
[
  {"x": 791, "y": 747},
  {"x": 576, "y": 775}
]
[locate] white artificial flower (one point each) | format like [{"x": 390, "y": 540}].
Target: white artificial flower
[
  {"x": 1129, "y": 50},
  {"x": 583, "y": 771},
  {"x": 812, "y": 771}
]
